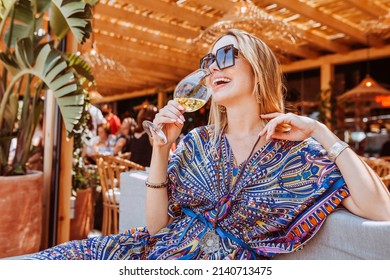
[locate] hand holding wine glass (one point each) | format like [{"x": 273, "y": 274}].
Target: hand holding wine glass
[{"x": 191, "y": 93}]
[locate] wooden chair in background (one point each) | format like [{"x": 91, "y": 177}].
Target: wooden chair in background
[
  {"x": 381, "y": 167},
  {"x": 109, "y": 168}
]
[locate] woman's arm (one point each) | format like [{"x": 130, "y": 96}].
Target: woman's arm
[
  {"x": 157, "y": 198},
  {"x": 369, "y": 197},
  {"x": 119, "y": 145}
]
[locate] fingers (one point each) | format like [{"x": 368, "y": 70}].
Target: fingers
[
  {"x": 277, "y": 127},
  {"x": 171, "y": 113},
  {"x": 270, "y": 115}
]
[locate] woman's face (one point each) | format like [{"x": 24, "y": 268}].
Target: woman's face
[
  {"x": 101, "y": 132},
  {"x": 234, "y": 83},
  {"x": 125, "y": 128}
]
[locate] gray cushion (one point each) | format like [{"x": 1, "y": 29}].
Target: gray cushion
[{"x": 345, "y": 236}]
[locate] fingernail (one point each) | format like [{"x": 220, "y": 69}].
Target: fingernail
[
  {"x": 181, "y": 107},
  {"x": 182, "y": 118},
  {"x": 180, "y": 121}
]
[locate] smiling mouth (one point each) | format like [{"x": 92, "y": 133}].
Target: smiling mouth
[{"x": 220, "y": 81}]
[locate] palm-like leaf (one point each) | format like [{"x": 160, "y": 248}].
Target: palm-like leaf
[
  {"x": 71, "y": 14},
  {"x": 80, "y": 66},
  {"x": 48, "y": 65},
  {"x": 23, "y": 16}
]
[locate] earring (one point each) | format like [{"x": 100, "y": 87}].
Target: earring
[{"x": 221, "y": 109}]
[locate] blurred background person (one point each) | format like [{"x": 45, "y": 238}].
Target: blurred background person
[
  {"x": 97, "y": 118},
  {"x": 122, "y": 145},
  {"x": 140, "y": 143},
  {"x": 104, "y": 142},
  {"x": 112, "y": 119}
]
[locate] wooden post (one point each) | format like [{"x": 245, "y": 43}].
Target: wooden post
[
  {"x": 327, "y": 77},
  {"x": 66, "y": 167},
  {"x": 48, "y": 128},
  {"x": 65, "y": 188}
]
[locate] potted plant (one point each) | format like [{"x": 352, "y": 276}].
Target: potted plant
[
  {"x": 84, "y": 182},
  {"x": 31, "y": 62}
]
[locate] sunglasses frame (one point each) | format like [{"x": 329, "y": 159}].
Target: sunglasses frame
[{"x": 214, "y": 57}]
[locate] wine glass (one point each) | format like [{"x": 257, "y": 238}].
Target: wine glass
[{"x": 191, "y": 92}]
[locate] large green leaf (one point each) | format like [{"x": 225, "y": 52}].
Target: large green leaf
[
  {"x": 71, "y": 14},
  {"x": 81, "y": 66},
  {"x": 41, "y": 5},
  {"x": 47, "y": 64},
  {"x": 11, "y": 112},
  {"x": 23, "y": 17}
]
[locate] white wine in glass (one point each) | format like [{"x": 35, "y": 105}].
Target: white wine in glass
[{"x": 191, "y": 92}]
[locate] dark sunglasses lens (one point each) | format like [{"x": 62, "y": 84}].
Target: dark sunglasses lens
[
  {"x": 207, "y": 61},
  {"x": 225, "y": 57}
]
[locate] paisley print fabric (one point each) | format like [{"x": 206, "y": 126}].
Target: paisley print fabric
[{"x": 285, "y": 193}]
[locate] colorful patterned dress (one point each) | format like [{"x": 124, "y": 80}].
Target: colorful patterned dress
[{"x": 286, "y": 191}]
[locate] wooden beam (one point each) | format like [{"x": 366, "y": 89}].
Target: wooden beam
[
  {"x": 293, "y": 49},
  {"x": 147, "y": 73},
  {"x": 131, "y": 83},
  {"x": 353, "y": 56},
  {"x": 190, "y": 55},
  {"x": 118, "y": 83},
  {"x": 122, "y": 53},
  {"x": 222, "y": 6},
  {"x": 324, "y": 43},
  {"x": 134, "y": 94},
  {"x": 328, "y": 20},
  {"x": 111, "y": 12},
  {"x": 117, "y": 29},
  {"x": 175, "y": 11},
  {"x": 157, "y": 67},
  {"x": 368, "y": 7}
]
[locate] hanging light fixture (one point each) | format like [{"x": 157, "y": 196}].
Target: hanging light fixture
[
  {"x": 368, "y": 89},
  {"x": 247, "y": 16}
]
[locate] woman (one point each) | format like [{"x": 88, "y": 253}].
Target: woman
[
  {"x": 122, "y": 144},
  {"x": 140, "y": 144},
  {"x": 242, "y": 187},
  {"x": 104, "y": 142}
]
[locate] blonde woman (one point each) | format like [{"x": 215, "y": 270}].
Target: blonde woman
[{"x": 254, "y": 183}]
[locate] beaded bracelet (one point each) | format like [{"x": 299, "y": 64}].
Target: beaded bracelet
[{"x": 156, "y": 186}]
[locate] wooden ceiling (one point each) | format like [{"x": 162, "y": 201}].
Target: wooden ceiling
[{"x": 150, "y": 45}]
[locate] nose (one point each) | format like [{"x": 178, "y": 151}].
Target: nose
[{"x": 213, "y": 66}]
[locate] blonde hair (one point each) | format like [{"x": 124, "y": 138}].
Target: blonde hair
[{"x": 269, "y": 88}]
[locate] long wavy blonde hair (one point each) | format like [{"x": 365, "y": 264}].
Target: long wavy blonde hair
[{"x": 269, "y": 88}]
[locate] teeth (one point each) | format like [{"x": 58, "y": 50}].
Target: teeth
[{"x": 217, "y": 80}]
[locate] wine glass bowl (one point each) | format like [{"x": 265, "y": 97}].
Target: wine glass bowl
[{"x": 191, "y": 93}]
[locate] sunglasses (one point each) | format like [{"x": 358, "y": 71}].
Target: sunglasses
[{"x": 225, "y": 58}]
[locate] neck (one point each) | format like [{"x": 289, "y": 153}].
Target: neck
[{"x": 243, "y": 123}]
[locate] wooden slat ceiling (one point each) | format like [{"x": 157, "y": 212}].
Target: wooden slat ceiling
[{"x": 151, "y": 44}]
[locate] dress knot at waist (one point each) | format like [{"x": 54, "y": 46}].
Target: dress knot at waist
[{"x": 208, "y": 226}]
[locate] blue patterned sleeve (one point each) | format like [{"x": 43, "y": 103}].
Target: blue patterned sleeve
[
  {"x": 176, "y": 164},
  {"x": 312, "y": 187}
]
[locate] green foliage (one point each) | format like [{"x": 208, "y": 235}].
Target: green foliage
[
  {"x": 327, "y": 107},
  {"x": 84, "y": 176},
  {"x": 31, "y": 64}
]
